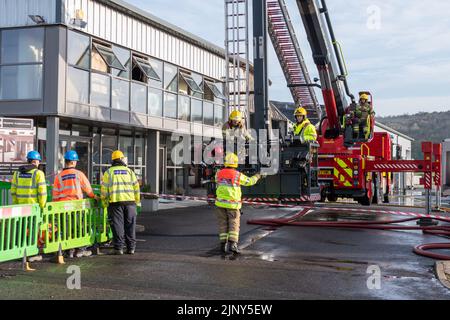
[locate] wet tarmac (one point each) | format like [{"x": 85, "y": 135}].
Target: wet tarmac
[{"x": 177, "y": 258}]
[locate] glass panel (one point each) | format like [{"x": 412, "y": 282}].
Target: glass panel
[
  {"x": 109, "y": 57},
  {"x": 184, "y": 106},
  {"x": 208, "y": 113},
  {"x": 139, "y": 150},
  {"x": 126, "y": 146},
  {"x": 78, "y": 49},
  {"x": 158, "y": 68},
  {"x": 154, "y": 102},
  {"x": 77, "y": 86},
  {"x": 218, "y": 115},
  {"x": 21, "y": 82},
  {"x": 215, "y": 90},
  {"x": 80, "y": 130},
  {"x": 100, "y": 90},
  {"x": 146, "y": 68},
  {"x": 170, "y": 105},
  {"x": 197, "y": 111},
  {"x": 109, "y": 145},
  {"x": 124, "y": 57},
  {"x": 138, "y": 98},
  {"x": 96, "y": 155},
  {"x": 170, "y": 77},
  {"x": 120, "y": 94},
  {"x": 22, "y": 45},
  {"x": 199, "y": 81}
]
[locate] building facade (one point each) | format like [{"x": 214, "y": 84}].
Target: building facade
[{"x": 98, "y": 75}]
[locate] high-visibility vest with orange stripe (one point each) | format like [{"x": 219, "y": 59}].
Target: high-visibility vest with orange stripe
[
  {"x": 228, "y": 191},
  {"x": 70, "y": 184}
]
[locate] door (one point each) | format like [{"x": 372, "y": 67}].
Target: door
[{"x": 83, "y": 147}]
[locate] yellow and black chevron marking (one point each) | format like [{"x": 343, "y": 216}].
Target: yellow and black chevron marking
[{"x": 343, "y": 172}]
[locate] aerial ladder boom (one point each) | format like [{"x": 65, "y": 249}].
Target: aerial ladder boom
[{"x": 331, "y": 74}]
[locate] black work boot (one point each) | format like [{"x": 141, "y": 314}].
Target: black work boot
[
  {"x": 223, "y": 247},
  {"x": 234, "y": 247}
]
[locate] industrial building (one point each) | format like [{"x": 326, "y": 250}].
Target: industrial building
[{"x": 99, "y": 75}]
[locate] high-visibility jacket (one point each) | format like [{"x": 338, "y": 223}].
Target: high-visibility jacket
[
  {"x": 306, "y": 130},
  {"x": 70, "y": 184},
  {"x": 229, "y": 131},
  {"x": 29, "y": 187},
  {"x": 228, "y": 191},
  {"x": 120, "y": 185}
]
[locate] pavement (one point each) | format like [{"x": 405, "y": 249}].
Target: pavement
[{"x": 177, "y": 258}]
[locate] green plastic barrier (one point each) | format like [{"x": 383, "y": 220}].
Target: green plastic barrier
[
  {"x": 19, "y": 228},
  {"x": 69, "y": 224},
  {"x": 5, "y": 195}
]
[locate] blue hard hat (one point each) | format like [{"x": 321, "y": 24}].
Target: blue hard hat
[
  {"x": 34, "y": 155},
  {"x": 71, "y": 155}
]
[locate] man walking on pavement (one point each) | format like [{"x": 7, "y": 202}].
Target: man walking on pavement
[
  {"x": 69, "y": 185},
  {"x": 228, "y": 202},
  {"x": 121, "y": 195},
  {"x": 28, "y": 186}
]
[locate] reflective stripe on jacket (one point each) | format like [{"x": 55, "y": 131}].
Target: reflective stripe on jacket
[
  {"x": 120, "y": 185},
  {"x": 29, "y": 188},
  {"x": 306, "y": 130},
  {"x": 70, "y": 184},
  {"x": 228, "y": 192}
]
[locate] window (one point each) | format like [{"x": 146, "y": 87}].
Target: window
[
  {"x": 120, "y": 94},
  {"x": 77, "y": 85},
  {"x": 154, "y": 102},
  {"x": 212, "y": 92},
  {"x": 100, "y": 90},
  {"x": 22, "y": 46},
  {"x": 198, "y": 80},
  {"x": 219, "y": 115},
  {"x": 143, "y": 71},
  {"x": 184, "y": 106},
  {"x": 208, "y": 113},
  {"x": 109, "y": 144},
  {"x": 78, "y": 50},
  {"x": 158, "y": 68},
  {"x": 138, "y": 98},
  {"x": 124, "y": 57},
  {"x": 196, "y": 111},
  {"x": 139, "y": 142},
  {"x": 170, "y": 105},
  {"x": 21, "y": 82},
  {"x": 170, "y": 77},
  {"x": 188, "y": 85},
  {"x": 108, "y": 56},
  {"x": 126, "y": 146}
]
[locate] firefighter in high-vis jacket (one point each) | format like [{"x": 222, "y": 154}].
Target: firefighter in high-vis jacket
[
  {"x": 69, "y": 185},
  {"x": 28, "y": 184},
  {"x": 120, "y": 193},
  {"x": 364, "y": 111},
  {"x": 303, "y": 127},
  {"x": 234, "y": 127},
  {"x": 228, "y": 202}
]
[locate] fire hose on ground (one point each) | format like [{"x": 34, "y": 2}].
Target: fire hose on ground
[{"x": 421, "y": 249}]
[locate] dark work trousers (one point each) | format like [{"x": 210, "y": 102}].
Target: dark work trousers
[{"x": 123, "y": 225}]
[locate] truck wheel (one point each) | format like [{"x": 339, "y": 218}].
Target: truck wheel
[{"x": 332, "y": 198}]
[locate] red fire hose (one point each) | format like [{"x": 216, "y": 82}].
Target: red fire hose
[{"x": 443, "y": 231}]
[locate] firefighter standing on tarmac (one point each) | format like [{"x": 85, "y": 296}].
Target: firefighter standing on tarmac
[
  {"x": 121, "y": 194},
  {"x": 28, "y": 186},
  {"x": 69, "y": 185},
  {"x": 303, "y": 127},
  {"x": 228, "y": 202}
]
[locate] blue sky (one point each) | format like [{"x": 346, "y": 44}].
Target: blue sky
[{"x": 399, "y": 50}]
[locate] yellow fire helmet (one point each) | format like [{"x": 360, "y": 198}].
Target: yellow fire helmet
[
  {"x": 300, "y": 111},
  {"x": 364, "y": 96},
  {"x": 231, "y": 160},
  {"x": 236, "y": 115},
  {"x": 117, "y": 155}
]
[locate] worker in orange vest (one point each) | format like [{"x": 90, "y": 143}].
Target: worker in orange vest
[{"x": 69, "y": 185}]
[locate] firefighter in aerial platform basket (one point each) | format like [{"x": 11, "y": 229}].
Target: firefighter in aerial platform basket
[
  {"x": 228, "y": 202},
  {"x": 303, "y": 127},
  {"x": 235, "y": 130}
]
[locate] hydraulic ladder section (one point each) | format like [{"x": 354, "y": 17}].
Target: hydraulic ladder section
[
  {"x": 237, "y": 56},
  {"x": 285, "y": 43}
]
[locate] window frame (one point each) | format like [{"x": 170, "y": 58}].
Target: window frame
[{"x": 99, "y": 47}]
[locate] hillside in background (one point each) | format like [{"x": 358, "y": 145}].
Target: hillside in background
[{"x": 423, "y": 126}]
